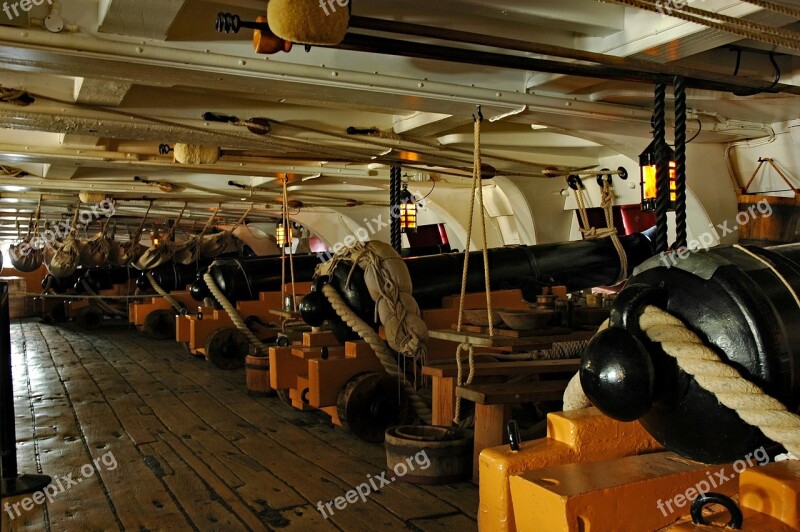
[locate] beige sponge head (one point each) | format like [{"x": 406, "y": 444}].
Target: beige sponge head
[
  {"x": 309, "y": 21},
  {"x": 191, "y": 154}
]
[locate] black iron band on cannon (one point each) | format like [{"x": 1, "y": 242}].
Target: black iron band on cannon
[
  {"x": 742, "y": 303},
  {"x": 577, "y": 265}
]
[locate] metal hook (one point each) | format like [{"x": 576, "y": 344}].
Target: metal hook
[{"x": 479, "y": 117}]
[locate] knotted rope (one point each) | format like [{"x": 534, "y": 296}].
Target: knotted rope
[
  {"x": 477, "y": 192},
  {"x": 589, "y": 232},
  {"x": 387, "y": 360}
]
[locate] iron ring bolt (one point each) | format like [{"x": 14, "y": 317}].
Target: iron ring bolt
[{"x": 716, "y": 498}]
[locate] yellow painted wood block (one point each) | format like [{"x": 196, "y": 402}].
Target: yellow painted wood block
[
  {"x": 579, "y": 436},
  {"x": 631, "y": 494}
]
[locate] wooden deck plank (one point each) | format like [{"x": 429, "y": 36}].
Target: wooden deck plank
[
  {"x": 180, "y": 420},
  {"x": 140, "y": 500},
  {"x": 224, "y": 460},
  {"x": 281, "y": 461},
  {"x": 463, "y": 496}
]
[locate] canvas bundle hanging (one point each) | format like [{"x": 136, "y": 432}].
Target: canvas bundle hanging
[
  {"x": 63, "y": 258},
  {"x": 24, "y": 256},
  {"x": 162, "y": 252}
]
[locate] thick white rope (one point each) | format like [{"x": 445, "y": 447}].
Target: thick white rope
[
  {"x": 231, "y": 311},
  {"x": 387, "y": 360},
  {"x": 751, "y": 403},
  {"x": 163, "y": 293}
]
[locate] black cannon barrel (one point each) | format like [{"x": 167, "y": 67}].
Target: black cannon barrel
[
  {"x": 103, "y": 278},
  {"x": 173, "y": 276},
  {"x": 577, "y": 265},
  {"x": 62, "y": 285},
  {"x": 244, "y": 279},
  {"x": 741, "y": 302}
]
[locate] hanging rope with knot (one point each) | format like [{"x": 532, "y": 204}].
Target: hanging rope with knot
[
  {"x": 610, "y": 231},
  {"x": 477, "y": 193}
]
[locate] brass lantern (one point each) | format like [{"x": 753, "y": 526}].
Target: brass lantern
[
  {"x": 648, "y": 163},
  {"x": 408, "y": 210},
  {"x": 283, "y": 235}
]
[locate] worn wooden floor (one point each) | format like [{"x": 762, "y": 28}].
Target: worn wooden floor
[{"x": 179, "y": 445}]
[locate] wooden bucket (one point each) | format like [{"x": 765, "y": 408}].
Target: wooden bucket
[
  {"x": 447, "y": 451},
  {"x": 780, "y": 227},
  {"x": 257, "y": 374}
]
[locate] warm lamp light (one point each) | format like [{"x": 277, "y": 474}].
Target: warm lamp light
[
  {"x": 408, "y": 210},
  {"x": 283, "y": 237},
  {"x": 648, "y": 164}
]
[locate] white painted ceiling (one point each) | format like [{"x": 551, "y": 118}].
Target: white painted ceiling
[{"x": 162, "y": 59}]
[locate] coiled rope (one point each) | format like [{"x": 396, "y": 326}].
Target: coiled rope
[
  {"x": 12, "y": 171},
  {"x": 387, "y": 360},
  {"x": 712, "y": 374}
]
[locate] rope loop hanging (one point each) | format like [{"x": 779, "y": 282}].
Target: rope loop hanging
[
  {"x": 610, "y": 231},
  {"x": 476, "y": 195},
  {"x": 286, "y": 221}
]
